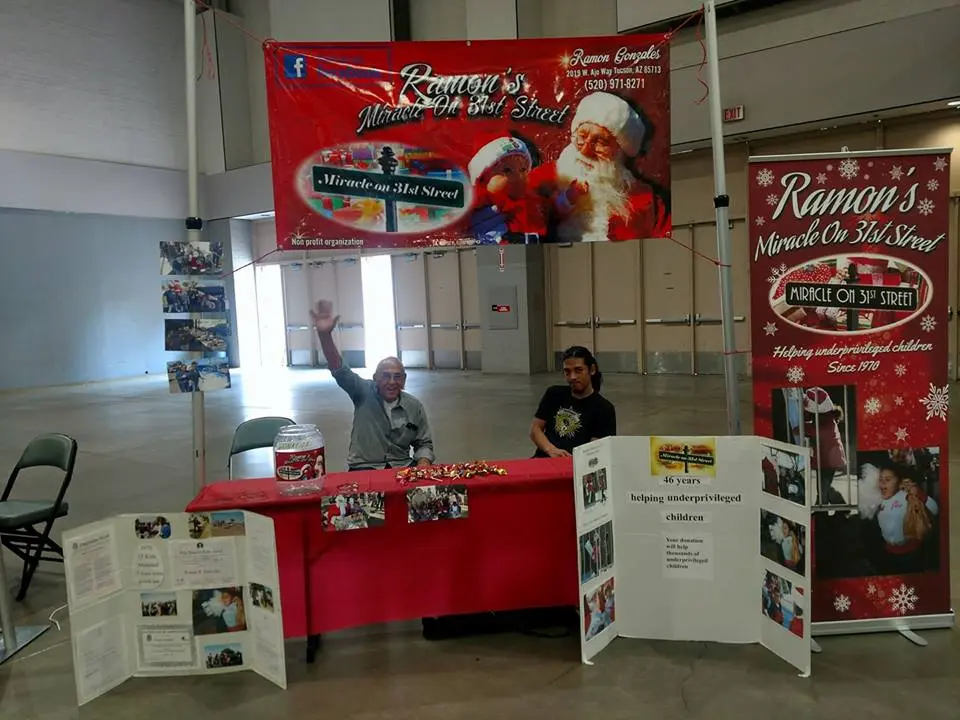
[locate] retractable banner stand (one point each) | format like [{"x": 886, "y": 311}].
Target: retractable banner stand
[
  {"x": 424, "y": 144},
  {"x": 849, "y": 285},
  {"x": 694, "y": 539},
  {"x": 154, "y": 595}
]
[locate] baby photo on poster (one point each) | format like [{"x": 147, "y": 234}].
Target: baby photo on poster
[
  {"x": 596, "y": 552},
  {"x": 825, "y": 420},
  {"x": 896, "y": 529},
  {"x": 783, "y": 603},
  {"x": 783, "y": 541},
  {"x": 784, "y": 474},
  {"x": 219, "y": 610}
]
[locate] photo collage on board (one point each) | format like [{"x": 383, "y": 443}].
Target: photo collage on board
[
  {"x": 595, "y": 549},
  {"x": 890, "y": 497},
  {"x": 197, "y": 610},
  {"x": 784, "y": 539},
  {"x": 196, "y": 315}
]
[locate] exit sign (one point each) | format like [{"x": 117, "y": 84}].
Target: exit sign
[
  {"x": 733, "y": 114},
  {"x": 500, "y": 308}
]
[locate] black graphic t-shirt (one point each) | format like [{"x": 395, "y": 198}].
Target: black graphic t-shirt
[{"x": 571, "y": 421}]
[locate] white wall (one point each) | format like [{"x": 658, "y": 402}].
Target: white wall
[{"x": 97, "y": 79}]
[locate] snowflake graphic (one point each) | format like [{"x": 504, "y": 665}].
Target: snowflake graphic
[
  {"x": 896, "y": 172},
  {"x": 841, "y": 603},
  {"x": 870, "y": 164},
  {"x": 925, "y": 207},
  {"x": 940, "y": 164},
  {"x": 900, "y": 370},
  {"x": 765, "y": 177},
  {"x": 903, "y": 598},
  {"x": 760, "y": 221},
  {"x": 821, "y": 178},
  {"x": 902, "y": 434},
  {"x": 928, "y": 323},
  {"x": 795, "y": 375},
  {"x": 933, "y": 185},
  {"x": 872, "y": 406},
  {"x": 898, "y": 401},
  {"x": 770, "y": 328},
  {"x": 871, "y": 589},
  {"x": 829, "y": 168},
  {"x": 849, "y": 169},
  {"x": 776, "y": 273},
  {"x": 937, "y": 401},
  {"x": 772, "y": 200}
]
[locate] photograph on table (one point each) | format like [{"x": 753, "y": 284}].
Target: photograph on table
[
  {"x": 198, "y": 525},
  {"x": 195, "y": 335},
  {"x": 186, "y": 258},
  {"x": 596, "y": 552},
  {"x": 228, "y": 523},
  {"x": 783, "y": 541},
  {"x": 352, "y": 511},
  {"x": 158, "y": 604},
  {"x": 896, "y": 529},
  {"x": 150, "y": 527},
  {"x": 825, "y": 420},
  {"x": 203, "y": 375},
  {"x": 595, "y": 489},
  {"x": 598, "y": 610},
  {"x": 219, "y": 610},
  {"x": 817, "y": 295},
  {"x": 784, "y": 474},
  {"x": 437, "y": 502},
  {"x": 222, "y": 656},
  {"x": 783, "y": 602},
  {"x": 262, "y": 597}
]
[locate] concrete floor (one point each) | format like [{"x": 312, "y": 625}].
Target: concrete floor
[{"x": 135, "y": 456}]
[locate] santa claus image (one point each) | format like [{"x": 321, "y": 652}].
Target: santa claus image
[{"x": 596, "y": 174}]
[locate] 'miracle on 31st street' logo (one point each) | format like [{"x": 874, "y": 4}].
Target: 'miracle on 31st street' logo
[{"x": 686, "y": 456}]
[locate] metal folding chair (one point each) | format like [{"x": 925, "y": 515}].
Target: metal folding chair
[
  {"x": 255, "y": 434},
  {"x": 19, "y": 518}
]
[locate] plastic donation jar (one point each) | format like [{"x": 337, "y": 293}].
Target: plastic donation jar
[{"x": 298, "y": 460}]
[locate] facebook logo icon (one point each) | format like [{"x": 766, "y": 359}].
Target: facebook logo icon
[{"x": 295, "y": 66}]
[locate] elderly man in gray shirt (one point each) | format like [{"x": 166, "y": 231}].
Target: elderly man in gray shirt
[{"x": 390, "y": 427}]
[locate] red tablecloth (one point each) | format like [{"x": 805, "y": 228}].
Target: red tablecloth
[{"x": 516, "y": 549}]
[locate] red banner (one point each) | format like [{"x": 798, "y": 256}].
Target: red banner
[
  {"x": 849, "y": 311},
  {"x": 448, "y": 143}
]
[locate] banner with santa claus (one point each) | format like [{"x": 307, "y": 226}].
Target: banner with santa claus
[
  {"x": 849, "y": 282},
  {"x": 421, "y": 144}
]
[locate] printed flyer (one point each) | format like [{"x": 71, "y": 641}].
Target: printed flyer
[
  {"x": 477, "y": 142},
  {"x": 849, "y": 306},
  {"x": 173, "y": 594},
  {"x": 664, "y": 522}
]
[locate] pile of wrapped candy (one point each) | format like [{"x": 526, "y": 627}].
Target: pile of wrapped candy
[{"x": 443, "y": 473}]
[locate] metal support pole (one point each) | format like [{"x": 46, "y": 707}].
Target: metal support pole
[
  {"x": 193, "y": 212},
  {"x": 721, "y": 203},
  {"x": 13, "y": 638}
]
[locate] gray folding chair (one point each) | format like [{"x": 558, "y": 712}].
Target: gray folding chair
[
  {"x": 18, "y": 518},
  {"x": 255, "y": 434}
]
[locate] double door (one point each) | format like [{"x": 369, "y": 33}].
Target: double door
[{"x": 651, "y": 306}]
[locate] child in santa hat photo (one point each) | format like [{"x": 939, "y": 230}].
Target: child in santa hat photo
[{"x": 507, "y": 208}]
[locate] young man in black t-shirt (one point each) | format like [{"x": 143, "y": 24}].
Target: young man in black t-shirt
[{"x": 576, "y": 413}]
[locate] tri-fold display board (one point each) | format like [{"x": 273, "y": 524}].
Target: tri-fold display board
[
  {"x": 173, "y": 594},
  {"x": 694, "y": 539}
]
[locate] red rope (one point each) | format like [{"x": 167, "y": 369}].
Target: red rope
[{"x": 703, "y": 59}]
